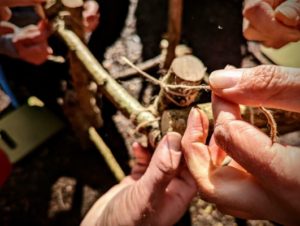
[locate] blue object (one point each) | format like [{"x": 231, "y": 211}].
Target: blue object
[{"x": 7, "y": 90}]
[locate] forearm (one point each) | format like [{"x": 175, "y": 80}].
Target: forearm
[
  {"x": 9, "y": 3},
  {"x": 13, "y": 3},
  {"x": 7, "y": 47}
]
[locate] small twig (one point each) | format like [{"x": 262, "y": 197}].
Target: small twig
[
  {"x": 146, "y": 75},
  {"x": 272, "y": 123},
  {"x": 144, "y": 66},
  {"x": 107, "y": 154},
  {"x": 56, "y": 59},
  {"x": 162, "y": 84}
]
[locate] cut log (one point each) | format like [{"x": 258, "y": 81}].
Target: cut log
[
  {"x": 72, "y": 3},
  {"x": 186, "y": 70}
]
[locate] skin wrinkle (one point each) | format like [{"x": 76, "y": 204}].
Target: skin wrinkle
[
  {"x": 133, "y": 207},
  {"x": 288, "y": 179},
  {"x": 224, "y": 139},
  {"x": 261, "y": 79}
]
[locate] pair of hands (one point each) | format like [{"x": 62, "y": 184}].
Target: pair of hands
[
  {"x": 31, "y": 42},
  {"x": 275, "y": 23},
  {"x": 260, "y": 183},
  {"x": 158, "y": 191}
]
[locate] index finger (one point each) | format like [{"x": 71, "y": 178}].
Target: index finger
[{"x": 267, "y": 85}]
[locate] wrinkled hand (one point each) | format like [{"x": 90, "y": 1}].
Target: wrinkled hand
[
  {"x": 90, "y": 15},
  {"x": 156, "y": 193},
  {"x": 32, "y": 45},
  {"x": 263, "y": 181},
  {"x": 273, "y": 22}
]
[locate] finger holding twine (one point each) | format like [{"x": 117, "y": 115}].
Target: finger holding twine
[{"x": 167, "y": 87}]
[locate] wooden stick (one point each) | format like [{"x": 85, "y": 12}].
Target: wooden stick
[
  {"x": 123, "y": 101},
  {"x": 107, "y": 154},
  {"x": 144, "y": 66},
  {"x": 174, "y": 30}
]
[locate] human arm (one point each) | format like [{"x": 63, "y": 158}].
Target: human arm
[
  {"x": 275, "y": 23},
  {"x": 13, "y": 3},
  {"x": 262, "y": 181},
  {"x": 156, "y": 193}
]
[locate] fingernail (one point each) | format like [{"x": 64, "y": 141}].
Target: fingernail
[
  {"x": 195, "y": 111},
  {"x": 174, "y": 141},
  {"x": 224, "y": 79},
  {"x": 289, "y": 12}
]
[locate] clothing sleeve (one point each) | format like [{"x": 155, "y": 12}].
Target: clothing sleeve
[{"x": 6, "y": 46}]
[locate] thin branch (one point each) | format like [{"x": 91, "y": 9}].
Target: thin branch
[
  {"x": 174, "y": 30},
  {"x": 130, "y": 72},
  {"x": 107, "y": 154}
]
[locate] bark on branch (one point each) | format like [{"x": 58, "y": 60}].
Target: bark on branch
[
  {"x": 129, "y": 106},
  {"x": 174, "y": 30}
]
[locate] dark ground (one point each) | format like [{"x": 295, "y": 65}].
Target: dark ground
[{"x": 57, "y": 183}]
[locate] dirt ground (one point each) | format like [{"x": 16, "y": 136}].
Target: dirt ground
[{"x": 59, "y": 182}]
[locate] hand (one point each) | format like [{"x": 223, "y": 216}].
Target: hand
[
  {"x": 91, "y": 15},
  {"x": 273, "y": 22},
  {"x": 7, "y": 28},
  {"x": 263, "y": 181},
  {"x": 31, "y": 44},
  {"x": 156, "y": 193},
  {"x": 13, "y": 3},
  {"x": 5, "y": 13}
]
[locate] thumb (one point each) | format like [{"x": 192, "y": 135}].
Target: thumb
[
  {"x": 163, "y": 165},
  {"x": 267, "y": 85},
  {"x": 288, "y": 13}
]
